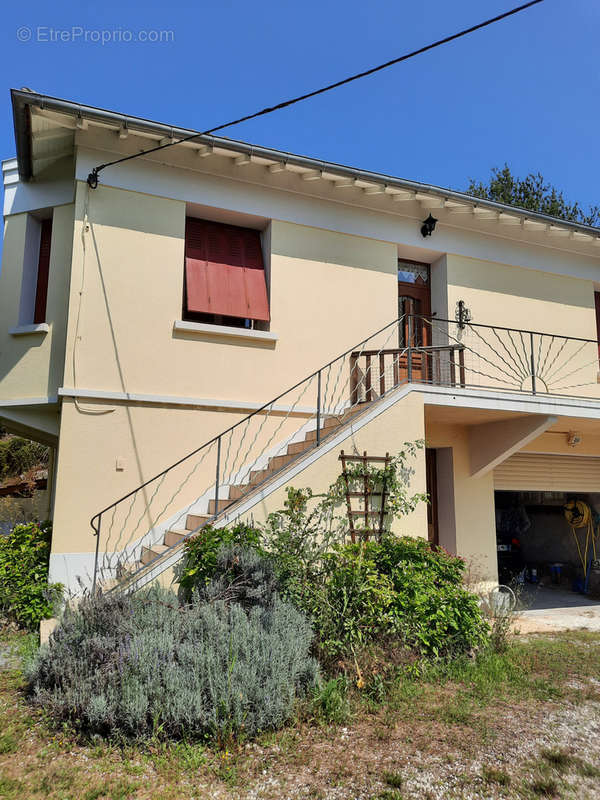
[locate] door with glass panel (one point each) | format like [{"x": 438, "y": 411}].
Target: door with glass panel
[{"x": 414, "y": 311}]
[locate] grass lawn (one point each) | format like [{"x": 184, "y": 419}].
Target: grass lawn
[{"x": 524, "y": 724}]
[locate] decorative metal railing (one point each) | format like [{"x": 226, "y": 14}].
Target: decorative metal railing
[
  {"x": 138, "y": 533},
  {"x": 219, "y": 473},
  {"x": 444, "y": 352}
]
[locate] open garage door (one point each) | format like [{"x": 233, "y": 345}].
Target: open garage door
[{"x": 541, "y": 472}]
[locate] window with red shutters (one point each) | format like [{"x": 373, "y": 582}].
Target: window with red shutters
[
  {"x": 43, "y": 270},
  {"x": 224, "y": 273}
]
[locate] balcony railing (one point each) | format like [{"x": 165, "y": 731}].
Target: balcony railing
[
  {"x": 174, "y": 504},
  {"x": 442, "y": 352}
]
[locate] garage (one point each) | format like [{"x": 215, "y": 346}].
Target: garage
[{"x": 538, "y": 544}]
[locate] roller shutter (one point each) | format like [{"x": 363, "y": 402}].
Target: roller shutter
[{"x": 540, "y": 472}]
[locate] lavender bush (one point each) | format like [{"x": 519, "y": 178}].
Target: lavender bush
[{"x": 143, "y": 664}]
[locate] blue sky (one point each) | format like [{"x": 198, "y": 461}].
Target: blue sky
[{"x": 524, "y": 91}]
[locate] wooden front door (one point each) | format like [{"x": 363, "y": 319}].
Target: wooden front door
[{"x": 414, "y": 303}]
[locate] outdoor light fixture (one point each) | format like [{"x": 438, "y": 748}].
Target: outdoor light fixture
[
  {"x": 462, "y": 315},
  {"x": 428, "y": 226},
  {"x": 573, "y": 438}
]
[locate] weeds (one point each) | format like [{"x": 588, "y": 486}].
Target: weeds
[
  {"x": 498, "y": 776},
  {"x": 330, "y": 703},
  {"x": 545, "y": 787},
  {"x": 393, "y": 779}
]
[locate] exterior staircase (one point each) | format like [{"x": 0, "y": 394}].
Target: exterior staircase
[{"x": 174, "y": 538}]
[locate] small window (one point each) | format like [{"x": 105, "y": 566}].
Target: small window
[
  {"x": 43, "y": 272},
  {"x": 224, "y": 275},
  {"x": 36, "y": 271}
]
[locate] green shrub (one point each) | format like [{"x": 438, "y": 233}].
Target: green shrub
[
  {"x": 141, "y": 665},
  {"x": 19, "y": 455},
  {"x": 25, "y": 595},
  {"x": 357, "y": 603},
  {"x": 400, "y": 587},
  {"x": 297, "y": 540},
  {"x": 199, "y": 563}
]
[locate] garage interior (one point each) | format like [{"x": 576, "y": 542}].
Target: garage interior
[{"x": 538, "y": 544}]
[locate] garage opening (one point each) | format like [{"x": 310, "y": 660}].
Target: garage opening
[{"x": 547, "y": 524}]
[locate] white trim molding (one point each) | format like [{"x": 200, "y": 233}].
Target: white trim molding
[
  {"x": 24, "y": 330},
  {"x": 29, "y": 401},
  {"x": 194, "y": 402},
  {"x": 202, "y": 329}
]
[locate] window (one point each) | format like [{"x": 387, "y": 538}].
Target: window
[
  {"x": 224, "y": 275},
  {"x": 36, "y": 271},
  {"x": 43, "y": 271}
]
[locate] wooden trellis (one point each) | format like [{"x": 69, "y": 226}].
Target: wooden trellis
[{"x": 372, "y": 519}]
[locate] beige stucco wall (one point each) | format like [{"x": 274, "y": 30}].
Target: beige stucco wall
[
  {"x": 107, "y": 450},
  {"x": 515, "y": 297},
  {"x": 328, "y": 291},
  {"x": 475, "y": 522},
  {"x": 31, "y": 366}
]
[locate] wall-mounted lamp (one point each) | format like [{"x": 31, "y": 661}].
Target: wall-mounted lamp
[
  {"x": 462, "y": 315},
  {"x": 428, "y": 226},
  {"x": 573, "y": 438}
]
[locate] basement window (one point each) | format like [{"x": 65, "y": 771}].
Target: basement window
[{"x": 224, "y": 275}]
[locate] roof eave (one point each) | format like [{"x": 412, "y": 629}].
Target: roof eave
[{"x": 22, "y": 100}]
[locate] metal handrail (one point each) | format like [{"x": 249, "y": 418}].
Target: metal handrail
[
  {"x": 525, "y": 368},
  {"x": 95, "y": 522}
]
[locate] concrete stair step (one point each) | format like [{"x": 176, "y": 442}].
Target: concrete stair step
[
  {"x": 257, "y": 475},
  {"x": 297, "y": 447},
  {"x": 277, "y": 462},
  {"x": 311, "y": 436},
  {"x": 175, "y": 536},
  {"x": 194, "y": 521},
  {"x": 212, "y": 506},
  {"x": 235, "y": 492},
  {"x": 150, "y": 553}
]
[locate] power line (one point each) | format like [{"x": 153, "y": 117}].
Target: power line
[{"x": 93, "y": 176}]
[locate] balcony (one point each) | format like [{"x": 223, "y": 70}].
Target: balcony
[{"x": 447, "y": 353}]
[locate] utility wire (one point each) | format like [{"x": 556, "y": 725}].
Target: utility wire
[{"x": 93, "y": 176}]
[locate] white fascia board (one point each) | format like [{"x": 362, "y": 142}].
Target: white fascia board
[
  {"x": 505, "y": 401},
  {"x": 240, "y": 192}
]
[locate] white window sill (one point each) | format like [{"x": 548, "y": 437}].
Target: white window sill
[
  {"x": 24, "y": 330},
  {"x": 225, "y": 331}
]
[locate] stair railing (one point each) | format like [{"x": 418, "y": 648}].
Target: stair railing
[
  {"x": 412, "y": 349},
  {"x": 218, "y": 472}
]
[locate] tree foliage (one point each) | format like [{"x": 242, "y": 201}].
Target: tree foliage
[{"x": 532, "y": 193}]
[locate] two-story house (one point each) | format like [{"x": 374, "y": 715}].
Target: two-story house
[{"x": 217, "y": 321}]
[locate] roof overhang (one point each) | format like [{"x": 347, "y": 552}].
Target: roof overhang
[{"x": 45, "y": 129}]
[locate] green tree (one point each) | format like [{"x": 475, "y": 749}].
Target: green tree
[{"x": 532, "y": 193}]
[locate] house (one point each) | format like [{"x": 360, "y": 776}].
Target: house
[{"x": 216, "y": 321}]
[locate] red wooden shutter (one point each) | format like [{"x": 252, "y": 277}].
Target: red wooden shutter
[
  {"x": 224, "y": 271},
  {"x": 41, "y": 292}
]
